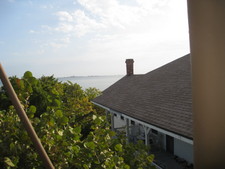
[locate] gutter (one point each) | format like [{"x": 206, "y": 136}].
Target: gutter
[{"x": 177, "y": 136}]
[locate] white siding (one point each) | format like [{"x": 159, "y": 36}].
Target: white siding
[
  {"x": 183, "y": 150},
  {"x": 118, "y": 122}
]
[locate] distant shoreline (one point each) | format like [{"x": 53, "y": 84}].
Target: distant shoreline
[
  {"x": 100, "y": 82},
  {"x": 74, "y": 76}
]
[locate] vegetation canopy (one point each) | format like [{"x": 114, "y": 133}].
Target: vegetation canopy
[{"x": 73, "y": 131}]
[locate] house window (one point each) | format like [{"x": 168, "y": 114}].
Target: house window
[
  {"x": 132, "y": 122},
  {"x": 121, "y": 117},
  {"x": 155, "y": 132},
  {"x": 170, "y": 144}
]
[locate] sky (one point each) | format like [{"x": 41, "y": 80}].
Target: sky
[{"x": 90, "y": 37}]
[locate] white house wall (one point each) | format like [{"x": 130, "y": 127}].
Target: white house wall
[
  {"x": 183, "y": 150},
  {"x": 183, "y": 147},
  {"x": 118, "y": 122}
]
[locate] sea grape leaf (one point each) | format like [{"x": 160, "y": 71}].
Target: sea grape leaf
[
  {"x": 59, "y": 113},
  {"x": 77, "y": 129},
  {"x": 8, "y": 161},
  {"x": 90, "y": 145},
  {"x": 64, "y": 120},
  {"x": 32, "y": 109},
  {"x": 118, "y": 147},
  {"x": 27, "y": 74}
]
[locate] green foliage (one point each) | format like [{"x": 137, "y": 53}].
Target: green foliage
[
  {"x": 73, "y": 131},
  {"x": 91, "y": 93}
]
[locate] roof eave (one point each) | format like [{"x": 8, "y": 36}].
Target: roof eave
[{"x": 164, "y": 131}]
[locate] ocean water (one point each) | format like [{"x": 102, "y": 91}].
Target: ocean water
[{"x": 99, "y": 82}]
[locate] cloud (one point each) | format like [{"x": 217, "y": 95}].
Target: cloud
[
  {"x": 153, "y": 5},
  {"x": 76, "y": 22},
  {"x": 53, "y": 45},
  {"x": 59, "y": 43},
  {"x": 111, "y": 13},
  {"x": 64, "y": 16},
  {"x": 109, "y": 16},
  {"x": 64, "y": 27},
  {"x": 85, "y": 24},
  {"x": 104, "y": 19},
  {"x": 46, "y": 27},
  {"x": 32, "y": 31},
  {"x": 116, "y": 30},
  {"x": 43, "y": 29},
  {"x": 121, "y": 27}
]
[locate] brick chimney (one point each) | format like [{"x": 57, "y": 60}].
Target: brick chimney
[{"x": 130, "y": 67}]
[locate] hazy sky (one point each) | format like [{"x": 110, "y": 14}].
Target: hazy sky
[{"x": 90, "y": 37}]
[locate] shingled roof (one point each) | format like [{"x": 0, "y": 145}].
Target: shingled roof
[{"x": 162, "y": 97}]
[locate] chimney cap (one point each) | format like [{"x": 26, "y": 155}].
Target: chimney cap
[{"x": 129, "y": 61}]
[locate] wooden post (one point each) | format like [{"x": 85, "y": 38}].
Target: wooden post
[
  {"x": 24, "y": 119},
  {"x": 127, "y": 128},
  {"x": 107, "y": 115},
  {"x": 146, "y": 130},
  {"x": 112, "y": 122},
  {"x": 207, "y": 44}
]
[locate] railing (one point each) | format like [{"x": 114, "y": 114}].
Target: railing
[{"x": 157, "y": 166}]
